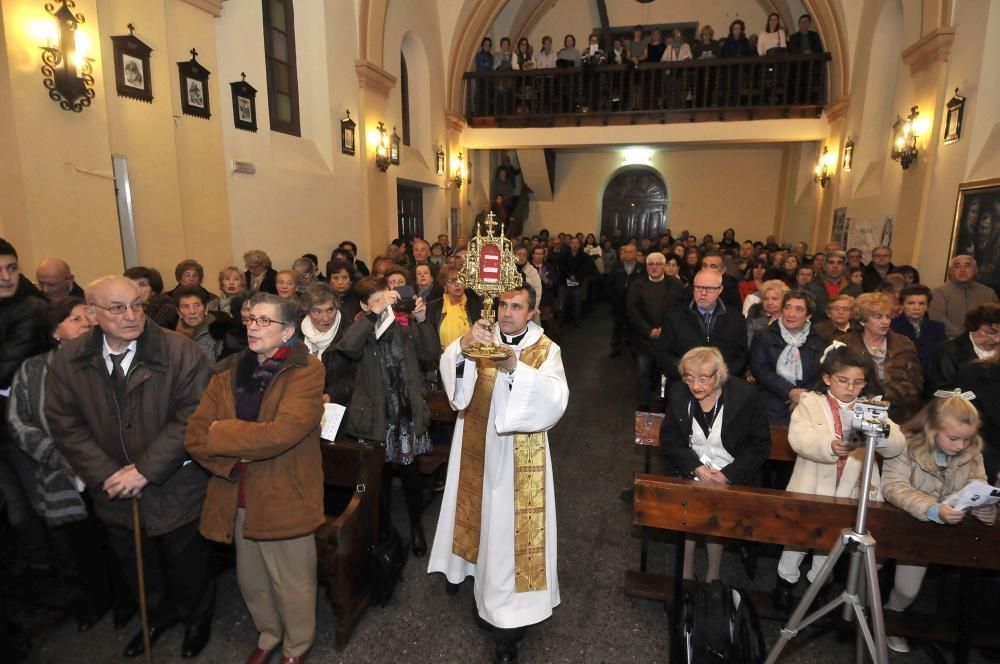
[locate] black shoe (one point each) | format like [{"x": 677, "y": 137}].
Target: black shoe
[
  {"x": 122, "y": 618},
  {"x": 781, "y": 596},
  {"x": 418, "y": 545},
  {"x": 506, "y": 652},
  {"x": 452, "y": 588},
  {"x": 195, "y": 639},
  {"x": 136, "y": 647}
]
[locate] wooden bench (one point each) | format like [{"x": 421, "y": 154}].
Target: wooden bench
[
  {"x": 807, "y": 521},
  {"x": 342, "y": 541}
]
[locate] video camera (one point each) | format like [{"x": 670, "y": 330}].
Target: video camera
[{"x": 871, "y": 418}]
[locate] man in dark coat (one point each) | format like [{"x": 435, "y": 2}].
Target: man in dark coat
[
  {"x": 705, "y": 322},
  {"x": 730, "y": 294},
  {"x": 805, "y": 40},
  {"x": 625, "y": 272},
  {"x": 875, "y": 271},
  {"x": 914, "y": 323},
  {"x": 575, "y": 267},
  {"x": 118, "y": 403},
  {"x": 650, "y": 301},
  {"x": 980, "y": 340},
  {"x": 21, "y": 305}
]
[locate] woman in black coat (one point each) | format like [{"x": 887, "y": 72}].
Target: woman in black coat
[
  {"x": 713, "y": 431},
  {"x": 784, "y": 356}
]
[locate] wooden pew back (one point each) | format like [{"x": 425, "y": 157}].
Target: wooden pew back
[
  {"x": 806, "y": 521},
  {"x": 647, "y": 434}
]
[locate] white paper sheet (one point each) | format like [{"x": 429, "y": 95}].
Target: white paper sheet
[
  {"x": 974, "y": 494},
  {"x": 333, "y": 415}
]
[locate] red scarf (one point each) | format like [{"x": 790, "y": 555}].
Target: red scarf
[{"x": 838, "y": 428}]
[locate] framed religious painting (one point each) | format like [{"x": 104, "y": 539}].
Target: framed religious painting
[
  {"x": 195, "y": 98},
  {"x": 976, "y": 230},
  {"x": 953, "y": 119},
  {"x": 132, "y": 78},
  {"x": 244, "y": 104},
  {"x": 347, "y": 134}
]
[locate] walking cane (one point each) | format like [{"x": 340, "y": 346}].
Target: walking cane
[{"x": 143, "y": 614}]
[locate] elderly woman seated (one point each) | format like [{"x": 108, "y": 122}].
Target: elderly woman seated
[
  {"x": 839, "y": 318},
  {"x": 897, "y": 366},
  {"x": 785, "y": 355},
  {"x": 768, "y": 308},
  {"x": 714, "y": 431},
  {"x": 321, "y": 329}
]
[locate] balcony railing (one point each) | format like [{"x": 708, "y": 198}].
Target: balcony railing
[{"x": 710, "y": 89}]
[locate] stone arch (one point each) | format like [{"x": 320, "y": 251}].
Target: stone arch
[{"x": 634, "y": 201}]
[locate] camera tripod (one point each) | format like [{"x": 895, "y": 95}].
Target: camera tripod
[{"x": 853, "y": 598}]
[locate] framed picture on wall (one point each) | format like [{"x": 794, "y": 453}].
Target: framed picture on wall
[
  {"x": 976, "y": 230},
  {"x": 347, "y": 135},
  {"x": 839, "y": 233},
  {"x": 131, "y": 57},
  {"x": 244, "y": 104},
  {"x": 194, "y": 87},
  {"x": 953, "y": 119}
]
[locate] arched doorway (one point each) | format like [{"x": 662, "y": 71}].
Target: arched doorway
[{"x": 635, "y": 204}]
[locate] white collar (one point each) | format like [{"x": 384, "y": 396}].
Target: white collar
[{"x": 106, "y": 351}]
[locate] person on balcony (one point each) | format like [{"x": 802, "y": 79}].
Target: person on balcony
[
  {"x": 677, "y": 49},
  {"x": 637, "y": 47},
  {"x": 568, "y": 56},
  {"x": 805, "y": 40},
  {"x": 484, "y": 58},
  {"x": 545, "y": 59},
  {"x": 706, "y": 46},
  {"x": 655, "y": 48},
  {"x": 772, "y": 37},
  {"x": 736, "y": 45}
]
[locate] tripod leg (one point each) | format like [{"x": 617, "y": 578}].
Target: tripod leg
[
  {"x": 791, "y": 628},
  {"x": 875, "y": 599}
]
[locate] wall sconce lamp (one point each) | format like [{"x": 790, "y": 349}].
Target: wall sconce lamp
[
  {"x": 824, "y": 167},
  {"x": 457, "y": 171},
  {"x": 382, "y": 160},
  {"x": 906, "y": 131},
  {"x": 65, "y": 65}
]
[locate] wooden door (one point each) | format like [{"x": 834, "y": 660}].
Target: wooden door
[
  {"x": 410, "y": 203},
  {"x": 635, "y": 204}
]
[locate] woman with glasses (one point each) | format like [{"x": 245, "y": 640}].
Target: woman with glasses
[
  {"x": 387, "y": 408},
  {"x": 785, "y": 355},
  {"x": 714, "y": 431},
  {"x": 897, "y": 365},
  {"x": 256, "y": 430},
  {"x": 839, "y": 319},
  {"x": 829, "y": 462},
  {"x": 454, "y": 313}
]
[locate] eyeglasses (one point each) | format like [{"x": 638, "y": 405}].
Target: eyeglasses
[
  {"x": 262, "y": 321},
  {"x": 452, "y": 282},
  {"x": 840, "y": 310},
  {"x": 701, "y": 380},
  {"x": 119, "y": 309},
  {"x": 707, "y": 289},
  {"x": 844, "y": 382}
]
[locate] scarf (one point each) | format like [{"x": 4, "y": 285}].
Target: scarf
[
  {"x": 790, "y": 361},
  {"x": 317, "y": 342},
  {"x": 842, "y": 414},
  {"x": 454, "y": 320}
]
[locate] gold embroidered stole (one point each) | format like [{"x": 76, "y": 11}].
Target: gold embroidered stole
[{"x": 529, "y": 481}]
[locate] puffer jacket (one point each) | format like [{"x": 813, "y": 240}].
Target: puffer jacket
[{"x": 914, "y": 482}]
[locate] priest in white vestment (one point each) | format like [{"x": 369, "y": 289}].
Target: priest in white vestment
[{"x": 515, "y": 577}]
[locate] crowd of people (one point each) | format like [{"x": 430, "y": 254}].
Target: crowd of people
[
  {"x": 205, "y": 403},
  {"x": 607, "y": 89}
]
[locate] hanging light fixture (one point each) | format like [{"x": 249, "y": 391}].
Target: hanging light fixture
[
  {"x": 905, "y": 132},
  {"x": 457, "y": 171},
  {"x": 66, "y": 68},
  {"x": 382, "y": 160}
]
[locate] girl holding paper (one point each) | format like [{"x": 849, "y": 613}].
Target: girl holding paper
[{"x": 943, "y": 454}]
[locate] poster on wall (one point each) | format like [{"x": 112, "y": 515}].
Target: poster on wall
[
  {"x": 839, "y": 234},
  {"x": 866, "y": 234},
  {"x": 976, "y": 230}
]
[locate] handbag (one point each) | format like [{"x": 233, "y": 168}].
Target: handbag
[{"x": 385, "y": 567}]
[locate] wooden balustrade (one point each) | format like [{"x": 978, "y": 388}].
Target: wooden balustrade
[{"x": 710, "y": 89}]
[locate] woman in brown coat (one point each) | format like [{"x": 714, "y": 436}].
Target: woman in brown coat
[
  {"x": 257, "y": 431},
  {"x": 895, "y": 357}
]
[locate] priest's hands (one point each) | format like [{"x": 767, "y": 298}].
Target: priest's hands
[
  {"x": 479, "y": 333},
  {"x": 508, "y": 363}
]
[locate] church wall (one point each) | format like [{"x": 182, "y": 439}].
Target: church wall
[{"x": 709, "y": 189}]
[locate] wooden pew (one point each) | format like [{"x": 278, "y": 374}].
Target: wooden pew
[{"x": 814, "y": 522}]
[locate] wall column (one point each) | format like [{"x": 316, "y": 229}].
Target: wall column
[{"x": 375, "y": 84}]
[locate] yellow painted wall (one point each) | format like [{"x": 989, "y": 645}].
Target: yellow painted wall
[{"x": 709, "y": 188}]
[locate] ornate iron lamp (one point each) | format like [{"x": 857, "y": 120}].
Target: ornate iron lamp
[
  {"x": 904, "y": 147},
  {"x": 824, "y": 167},
  {"x": 382, "y": 159},
  {"x": 65, "y": 66},
  {"x": 457, "y": 171}
]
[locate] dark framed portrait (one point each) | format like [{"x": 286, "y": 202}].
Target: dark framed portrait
[
  {"x": 953, "y": 119},
  {"x": 839, "y": 232},
  {"x": 394, "y": 143},
  {"x": 347, "y": 134},
  {"x": 131, "y": 57},
  {"x": 195, "y": 98},
  {"x": 244, "y": 104},
  {"x": 977, "y": 228}
]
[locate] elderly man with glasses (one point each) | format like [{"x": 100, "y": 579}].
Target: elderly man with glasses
[
  {"x": 649, "y": 301},
  {"x": 118, "y": 403},
  {"x": 706, "y": 321}
]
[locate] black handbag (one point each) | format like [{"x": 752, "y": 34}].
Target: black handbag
[{"x": 385, "y": 567}]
